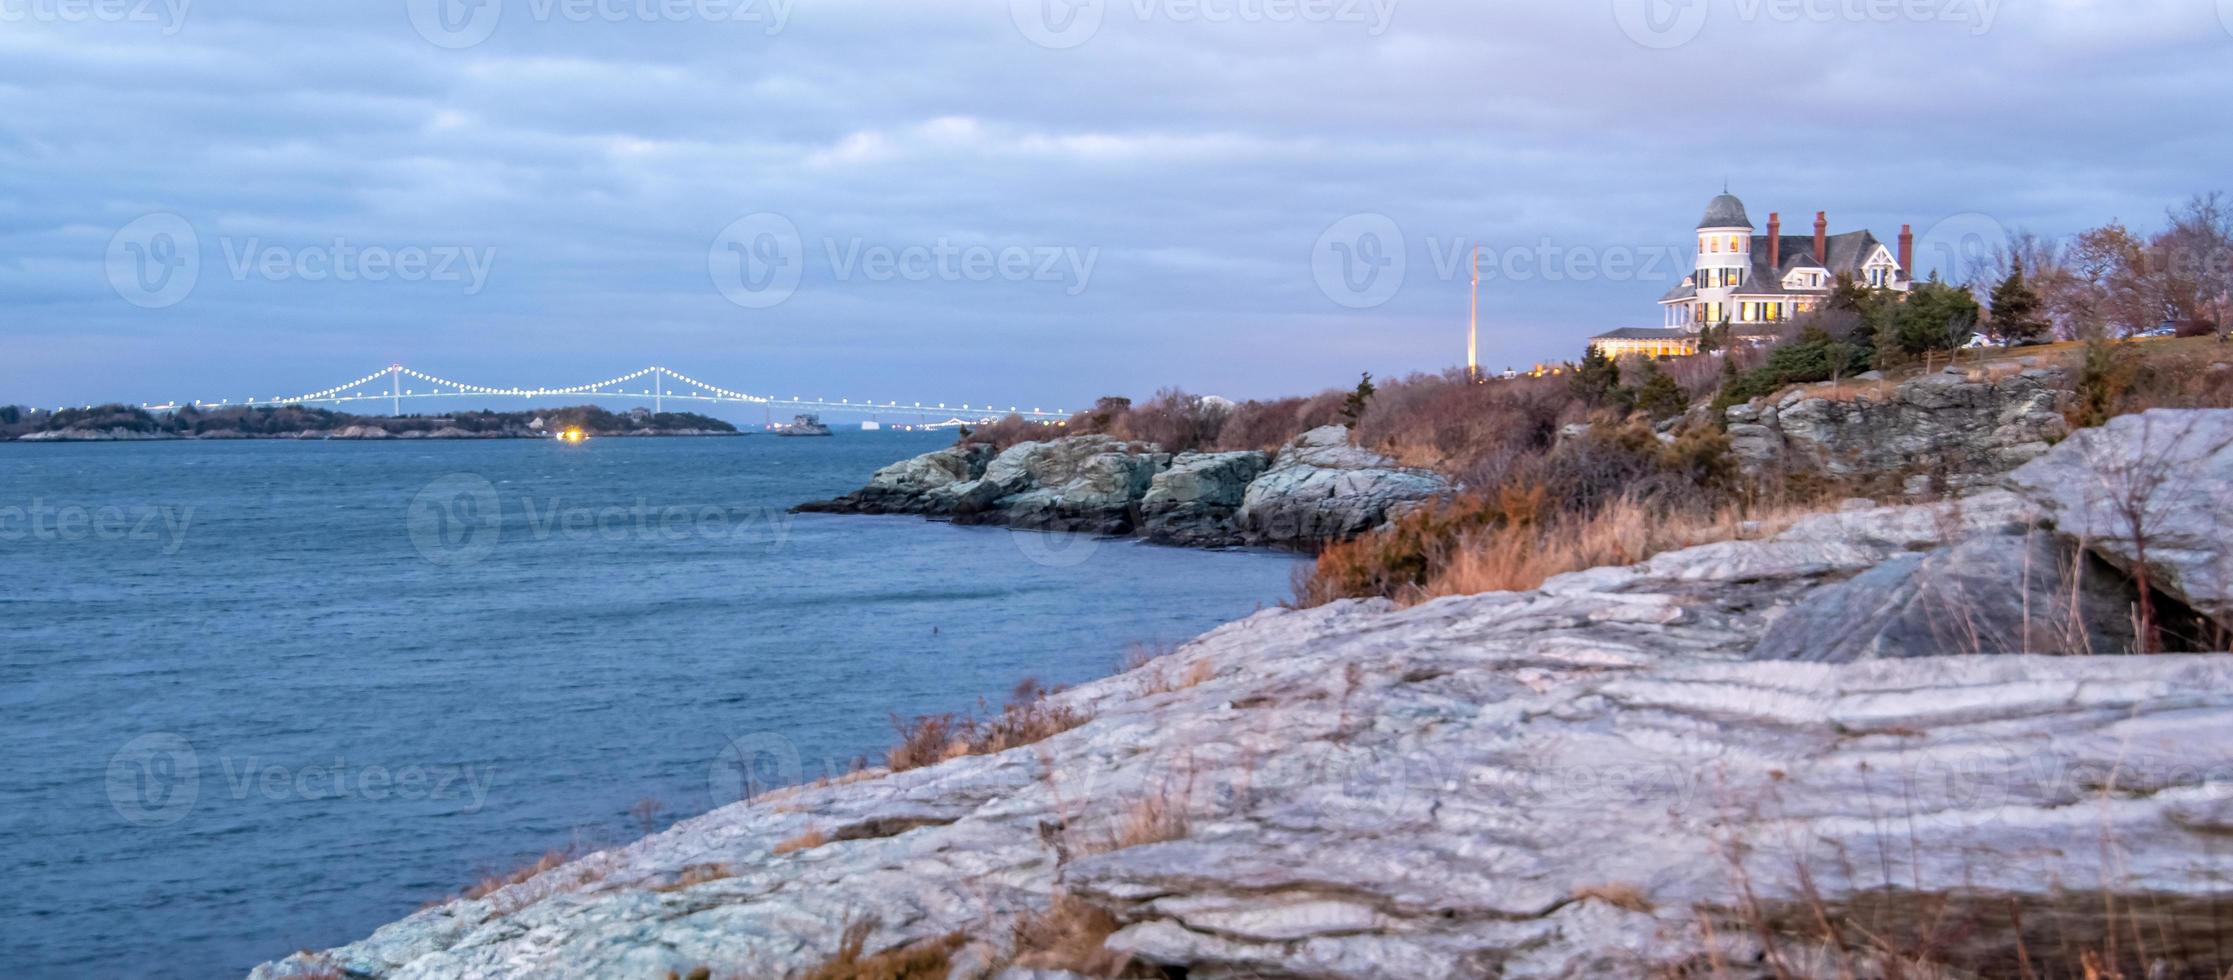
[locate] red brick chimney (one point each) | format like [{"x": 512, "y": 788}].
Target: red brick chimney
[
  {"x": 1907, "y": 251},
  {"x": 1822, "y": 238},
  {"x": 1775, "y": 241}
]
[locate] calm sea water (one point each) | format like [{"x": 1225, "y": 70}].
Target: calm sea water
[{"x": 267, "y": 696}]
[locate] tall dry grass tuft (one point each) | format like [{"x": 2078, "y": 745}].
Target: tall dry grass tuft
[
  {"x": 1615, "y": 496},
  {"x": 1028, "y": 717},
  {"x": 1515, "y": 557},
  {"x": 931, "y": 959}
]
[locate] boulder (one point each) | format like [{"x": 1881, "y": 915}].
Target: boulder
[
  {"x": 1948, "y": 424},
  {"x": 925, "y": 484},
  {"x": 1320, "y": 488},
  {"x": 2153, "y": 491},
  {"x": 1193, "y": 502}
]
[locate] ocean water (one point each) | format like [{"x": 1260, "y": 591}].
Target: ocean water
[{"x": 267, "y": 696}]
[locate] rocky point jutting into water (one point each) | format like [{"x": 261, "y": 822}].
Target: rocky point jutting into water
[
  {"x": 1626, "y": 772},
  {"x": 1316, "y": 488}
]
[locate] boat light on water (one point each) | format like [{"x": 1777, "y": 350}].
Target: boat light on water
[{"x": 572, "y": 437}]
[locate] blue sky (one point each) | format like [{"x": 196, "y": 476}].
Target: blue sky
[{"x": 1035, "y": 201}]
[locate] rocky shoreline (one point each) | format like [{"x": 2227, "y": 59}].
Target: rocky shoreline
[
  {"x": 1903, "y": 718},
  {"x": 1316, "y": 488}
]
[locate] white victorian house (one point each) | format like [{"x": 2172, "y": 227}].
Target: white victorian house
[{"x": 1752, "y": 282}]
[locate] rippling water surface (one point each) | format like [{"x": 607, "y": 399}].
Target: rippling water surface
[{"x": 265, "y": 696}]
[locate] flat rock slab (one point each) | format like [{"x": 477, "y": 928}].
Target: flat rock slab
[{"x": 1576, "y": 781}]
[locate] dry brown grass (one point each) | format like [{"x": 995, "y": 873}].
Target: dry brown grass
[
  {"x": 695, "y": 875},
  {"x": 1620, "y": 895},
  {"x": 1511, "y": 557},
  {"x": 493, "y": 883},
  {"x": 813, "y": 838},
  {"x": 1497, "y": 554},
  {"x": 1028, "y": 717},
  {"x": 931, "y": 959},
  {"x": 1071, "y": 935}
]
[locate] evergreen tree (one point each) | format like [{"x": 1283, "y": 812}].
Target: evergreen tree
[
  {"x": 1353, "y": 407},
  {"x": 1658, "y": 396},
  {"x": 1936, "y": 317},
  {"x": 2017, "y": 312},
  {"x": 1596, "y": 380}
]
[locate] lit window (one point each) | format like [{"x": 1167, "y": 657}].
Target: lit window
[{"x": 1713, "y": 245}]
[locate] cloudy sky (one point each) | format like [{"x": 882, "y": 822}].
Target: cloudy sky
[{"x": 1029, "y": 202}]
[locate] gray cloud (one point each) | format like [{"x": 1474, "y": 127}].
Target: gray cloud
[{"x": 1198, "y": 161}]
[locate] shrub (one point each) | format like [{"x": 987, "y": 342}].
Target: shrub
[{"x": 1612, "y": 496}]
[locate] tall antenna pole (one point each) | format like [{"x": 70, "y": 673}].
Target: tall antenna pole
[{"x": 1473, "y": 324}]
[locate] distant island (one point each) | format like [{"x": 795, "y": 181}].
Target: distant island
[{"x": 123, "y": 423}]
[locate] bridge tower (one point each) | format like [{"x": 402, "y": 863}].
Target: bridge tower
[{"x": 395, "y": 390}]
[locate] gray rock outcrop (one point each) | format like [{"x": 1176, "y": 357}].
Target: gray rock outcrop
[
  {"x": 1321, "y": 488},
  {"x": 1596, "y": 778},
  {"x": 1194, "y": 501},
  {"x": 2153, "y": 489},
  {"x": 1318, "y": 488},
  {"x": 1946, "y": 427}
]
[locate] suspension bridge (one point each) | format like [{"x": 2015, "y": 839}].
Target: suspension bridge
[{"x": 396, "y": 384}]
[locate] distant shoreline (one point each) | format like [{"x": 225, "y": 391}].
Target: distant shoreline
[{"x": 81, "y": 436}]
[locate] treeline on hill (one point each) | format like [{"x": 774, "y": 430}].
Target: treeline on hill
[
  {"x": 1653, "y": 469},
  {"x": 191, "y": 422}
]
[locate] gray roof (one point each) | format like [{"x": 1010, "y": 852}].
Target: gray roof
[
  {"x": 1725, "y": 212},
  {"x": 1645, "y": 333}
]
